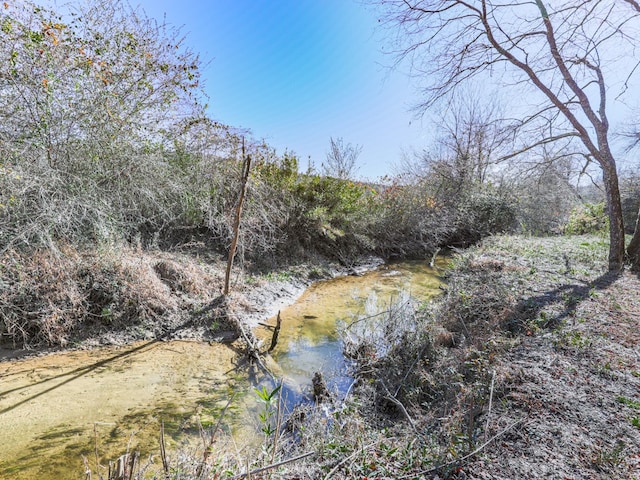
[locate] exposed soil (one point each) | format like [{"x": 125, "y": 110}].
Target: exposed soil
[{"x": 531, "y": 369}]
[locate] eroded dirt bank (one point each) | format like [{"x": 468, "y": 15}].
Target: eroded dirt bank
[
  {"x": 527, "y": 367},
  {"x": 78, "y": 300}
]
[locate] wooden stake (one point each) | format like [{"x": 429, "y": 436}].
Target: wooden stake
[{"x": 246, "y": 165}]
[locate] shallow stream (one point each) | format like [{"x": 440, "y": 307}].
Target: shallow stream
[{"x": 57, "y": 408}]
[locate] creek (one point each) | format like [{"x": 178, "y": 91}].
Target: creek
[{"x": 58, "y": 408}]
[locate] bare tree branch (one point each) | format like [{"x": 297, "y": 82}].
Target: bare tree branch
[
  {"x": 557, "y": 54},
  {"x": 635, "y": 5},
  {"x": 534, "y": 145},
  {"x": 341, "y": 159}
]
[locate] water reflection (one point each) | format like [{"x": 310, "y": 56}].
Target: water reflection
[{"x": 309, "y": 340}]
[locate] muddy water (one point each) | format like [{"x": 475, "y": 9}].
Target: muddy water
[
  {"x": 55, "y": 409},
  {"x": 58, "y": 408}
]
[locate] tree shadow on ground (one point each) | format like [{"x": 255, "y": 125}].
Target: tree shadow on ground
[
  {"x": 67, "y": 377},
  {"x": 567, "y": 296}
]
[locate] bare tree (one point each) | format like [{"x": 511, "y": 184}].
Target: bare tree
[
  {"x": 557, "y": 60},
  {"x": 341, "y": 159},
  {"x": 471, "y": 141}
]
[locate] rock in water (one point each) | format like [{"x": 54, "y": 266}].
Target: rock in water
[{"x": 320, "y": 391}]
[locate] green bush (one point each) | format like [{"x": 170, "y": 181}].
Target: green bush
[
  {"x": 302, "y": 212},
  {"x": 588, "y": 218}
]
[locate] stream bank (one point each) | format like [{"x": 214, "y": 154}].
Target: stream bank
[
  {"x": 88, "y": 299},
  {"x": 527, "y": 367},
  {"x": 184, "y": 383}
]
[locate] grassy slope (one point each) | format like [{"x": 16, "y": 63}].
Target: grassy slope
[{"x": 573, "y": 379}]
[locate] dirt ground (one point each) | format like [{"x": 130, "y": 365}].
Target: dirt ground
[{"x": 567, "y": 398}]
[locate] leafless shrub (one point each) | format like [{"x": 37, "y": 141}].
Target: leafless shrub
[
  {"x": 630, "y": 192},
  {"x": 103, "y": 134},
  {"x": 389, "y": 347},
  {"x": 41, "y": 303},
  {"x": 341, "y": 159},
  {"x": 546, "y": 188},
  {"x": 478, "y": 299}
]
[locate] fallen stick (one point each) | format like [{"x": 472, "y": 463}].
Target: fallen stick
[
  {"x": 274, "y": 465},
  {"x": 276, "y": 332},
  {"x": 399, "y": 404},
  {"x": 345, "y": 460},
  {"x": 493, "y": 380},
  {"x": 468, "y": 455},
  {"x": 208, "y": 450},
  {"x": 432, "y": 263}
]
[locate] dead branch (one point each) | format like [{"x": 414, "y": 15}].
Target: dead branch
[
  {"x": 493, "y": 380},
  {"x": 208, "y": 450},
  {"x": 276, "y": 332},
  {"x": 467, "y": 456},
  {"x": 399, "y": 404},
  {"x": 272, "y": 466},
  {"x": 345, "y": 460},
  {"x": 246, "y": 166},
  {"x": 163, "y": 451}
]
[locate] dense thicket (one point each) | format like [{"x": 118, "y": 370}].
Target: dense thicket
[
  {"x": 104, "y": 137},
  {"x": 96, "y": 107}
]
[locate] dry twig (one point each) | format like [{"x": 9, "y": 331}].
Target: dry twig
[
  {"x": 345, "y": 460},
  {"x": 486, "y": 428},
  {"x": 468, "y": 455},
  {"x": 272, "y": 466}
]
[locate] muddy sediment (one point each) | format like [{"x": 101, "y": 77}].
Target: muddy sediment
[{"x": 102, "y": 383}]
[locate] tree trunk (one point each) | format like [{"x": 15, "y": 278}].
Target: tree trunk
[
  {"x": 616, "y": 223},
  {"x": 633, "y": 250}
]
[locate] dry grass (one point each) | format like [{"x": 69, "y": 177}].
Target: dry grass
[
  {"x": 52, "y": 298},
  {"x": 527, "y": 367}
]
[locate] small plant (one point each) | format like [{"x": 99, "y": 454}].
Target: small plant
[
  {"x": 629, "y": 402},
  {"x": 605, "y": 370},
  {"x": 278, "y": 276},
  {"x": 271, "y": 402},
  {"x": 569, "y": 299},
  {"x": 609, "y": 458},
  {"x": 107, "y": 314},
  {"x": 573, "y": 339},
  {"x": 316, "y": 272}
]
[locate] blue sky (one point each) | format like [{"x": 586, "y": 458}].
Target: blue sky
[{"x": 297, "y": 72}]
